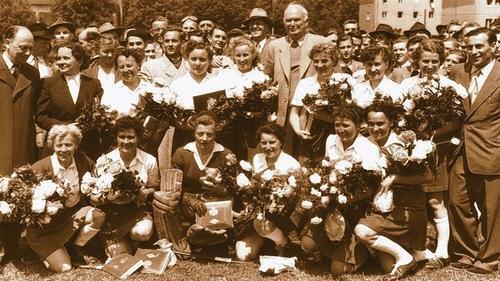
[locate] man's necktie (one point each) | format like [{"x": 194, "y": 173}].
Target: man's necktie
[
  {"x": 474, "y": 85},
  {"x": 15, "y": 71},
  {"x": 295, "y": 44}
]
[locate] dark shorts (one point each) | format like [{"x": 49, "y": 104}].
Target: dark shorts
[{"x": 119, "y": 221}]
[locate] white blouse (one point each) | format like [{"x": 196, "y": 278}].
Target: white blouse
[
  {"x": 121, "y": 98},
  {"x": 362, "y": 149},
  {"x": 283, "y": 164}
]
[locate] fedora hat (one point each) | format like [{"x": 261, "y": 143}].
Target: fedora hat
[
  {"x": 416, "y": 28},
  {"x": 258, "y": 13},
  {"x": 109, "y": 27},
  {"x": 144, "y": 35},
  {"x": 62, "y": 22},
  {"x": 39, "y": 30},
  {"x": 385, "y": 29}
]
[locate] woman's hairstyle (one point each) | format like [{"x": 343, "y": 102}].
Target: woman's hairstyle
[
  {"x": 138, "y": 56},
  {"x": 76, "y": 50},
  {"x": 430, "y": 45},
  {"x": 460, "y": 53},
  {"x": 417, "y": 38},
  {"x": 205, "y": 118},
  {"x": 387, "y": 107},
  {"x": 274, "y": 129},
  {"x": 190, "y": 46},
  {"x": 126, "y": 123},
  {"x": 61, "y": 131},
  {"x": 251, "y": 45},
  {"x": 329, "y": 49},
  {"x": 371, "y": 52},
  {"x": 348, "y": 111}
]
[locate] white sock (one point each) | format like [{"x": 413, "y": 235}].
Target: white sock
[
  {"x": 443, "y": 236},
  {"x": 85, "y": 235},
  {"x": 386, "y": 245},
  {"x": 423, "y": 255}
]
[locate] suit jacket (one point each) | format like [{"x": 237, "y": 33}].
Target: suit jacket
[
  {"x": 481, "y": 128},
  {"x": 17, "y": 115},
  {"x": 276, "y": 60},
  {"x": 162, "y": 69}
]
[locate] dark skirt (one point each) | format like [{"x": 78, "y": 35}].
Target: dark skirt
[
  {"x": 440, "y": 182},
  {"x": 47, "y": 239},
  {"x": 119, "y": 220}
]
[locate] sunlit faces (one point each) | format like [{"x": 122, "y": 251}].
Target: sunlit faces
[
  {"x": 323, "y": 64},
  {"x": 295, "y": 21},
  {"x": 107, "y": 53},
  {"x": 158, "y": 29},
  {"x": 350, "y": 27},
  {"x": 271, "y": 145},
  {"x": 67, "y": 63},
  {"x": 135, "y": 43},
  {"x": 379, "y": 127},
  {"x": 244, "y": 56},
  {"x": 428, "y": 63},
  {"x": 206, "y": 26},
  {"x": 451, "y": 60},
  {"x": 127, "y": 141},
  {"x": 204, "y": 136},
  {"x": 479, "y": 50},
  {"x": 198, "y": 62},
  {"x": 20, "y": 47},
  {"x": 376, "y": 68},
  {"x": 189, "y": 26},
  {"x": 333, "y": 38},
  {"x": 345, "y": 49},
  {"x": 172, "y": 43},
  {"x": 62, "y": 32},
  {"x": 64, "y": 148},
  {"x": 258, "y": 29},
  {"x": 218, "y": 39},
  {"x": 347, "y": 131},
  {"x": 400, "y": 52},
  {"x": 150, "y": 51},
  {"x": 366, "y": 42},
  {"x": 450, "y": 45},
  {"x": 128, "y": 68}
]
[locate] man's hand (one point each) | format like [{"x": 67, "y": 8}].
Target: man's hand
[{"x": 305, "y": 135}]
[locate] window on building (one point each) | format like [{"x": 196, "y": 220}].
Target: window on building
[
  {"x": 367, "y": 16},
  {"x": 384, "y": 14},
  {"x": 384, "y": 1},
  {"x": 415, "y": 15},
  {"x": 492, "y": 2},
  {"x": 431, "y": 14},
  {"x": 400, "y": 14},
  {"x": 400, "y": 1}
]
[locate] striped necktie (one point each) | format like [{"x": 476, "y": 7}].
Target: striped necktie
[{"x": 474, "y": 85}]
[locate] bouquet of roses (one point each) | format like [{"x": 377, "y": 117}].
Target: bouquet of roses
[
  {"x": 158, "y": 103},
  {"x": 431, "y": 105},
  {"x": 411, "y": 156},
  {"x": 225, "y": 108},
  {"x": 259, "y": 101},
  {"x": 336, "y": 92},
  {"x": 96, "y": 116},
  {"x": 31, "y": 198}
]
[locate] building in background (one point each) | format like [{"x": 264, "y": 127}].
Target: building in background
[{"x": 483, "y": 12}]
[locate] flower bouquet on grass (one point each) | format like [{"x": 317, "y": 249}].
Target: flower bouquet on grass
[
  {"x": 431, "y": 105},
  {"x": 112, "y": 179},
  {"x": 96, "y": 116},
  {"x": 30, "y": 198}
]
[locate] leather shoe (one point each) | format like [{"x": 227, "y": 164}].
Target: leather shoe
[
  {"x": 460, "y": 265},
  {"x": 478, "y": 270},
  {"x": 402, "y": 271}
]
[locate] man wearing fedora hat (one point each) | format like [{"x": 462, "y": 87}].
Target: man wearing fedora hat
[
  {"x": 189, "y": 25},
  {"x": 259, "y": 25},
  {"x": 417, "y": 28},
  {"x": 384, "y": 35},
  {"x": 109, "y": 31},
  {"x": 62, "y": 29}
]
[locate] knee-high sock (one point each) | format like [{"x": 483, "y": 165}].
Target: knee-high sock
[
  {"x": 86, "y": 233},
  {"x": 386, "y": 245},
  {"x": 443, "y": 236}
]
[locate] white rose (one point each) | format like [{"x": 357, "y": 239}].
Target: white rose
[
  {"x": 344, "y": 86},
  {"x": 242, "y": 181},
  {"x": 325, "y": 163},
  {"x": 45, "y": 189},
  {"x": 306, "y": 204},
  {"x": 455, "y": 141},
  {"x": 38, "y": 206},
  {"x": 333, "y": 190},
  {"x": 323, "y": 187},
  {"x": 105, "y": 181},
  {"x": 245, "y": 165},
  {"x": 342, "y": 199},
  {"x": 401, "y": 123},
  {"x": 316, "y": 220},
  {"x": 315, "y": 192},
  {"x": 267, "y": 175},
  {"x": 287, "y": 190},
  {"x": 325, "y": 200},
  {"x": 4, "y": 185},
  {"x": 292, "y": 181},
  {"x": 408, "y": 105},
  {"x": 315, "y": 178},
  {"x": 343, "y": 167},
  {"x": 332, "y": 179},
  {"x": 362, "y": 97},
  {"x": 272, "y": 117},
  {"x": 53, "y": 207},
  {"x": 5, "y": 208}
]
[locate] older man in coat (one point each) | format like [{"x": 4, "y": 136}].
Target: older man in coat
[
  {"x": 287, "y": 61},
  {"x": 475, "y": 172},
  {"x": 19, "y": 89}
]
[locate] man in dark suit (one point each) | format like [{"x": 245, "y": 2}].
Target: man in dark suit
[
  {"x": 475, "y": 171},
  {"x": 19, "y": 89}
]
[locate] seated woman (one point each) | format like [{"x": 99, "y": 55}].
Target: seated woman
[
  {"x": 403, "y": 228},
  {"x": 124, "y": 218},
  {"x": 78, "y": 221},
  {"x": 347, "y": 255},
  {"x": 324, "y": 59},
  {"x": 272, "y": 138},
  {"x": 192, "y": 159}
]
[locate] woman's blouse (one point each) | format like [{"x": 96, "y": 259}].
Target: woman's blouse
[
  {"x": 387, "y": 87},
  {"x": 361, "y": 149},
  {"x": 283, "y": 164},
  {"x": 121, "y": 98},
  {"x": 70, "y": 176},
  {"x": 243, "y": 80},
  {"x": 308, "y": 85}
]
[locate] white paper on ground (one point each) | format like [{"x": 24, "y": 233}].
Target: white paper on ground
[{"x": 276, "y": 264}]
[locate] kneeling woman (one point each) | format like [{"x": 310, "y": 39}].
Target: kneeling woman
[
  {"x": 403, "y": 228},
  {"x": 125, "y": 220},
  {"x": 347, "y": 255},
  {"x": 272, "y": 138},
  {"x": 77, "y": 222}
]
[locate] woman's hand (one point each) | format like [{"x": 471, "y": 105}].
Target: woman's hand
[
  {"x": 385, "y": 185},
  {"x": 305, "y": 135}
]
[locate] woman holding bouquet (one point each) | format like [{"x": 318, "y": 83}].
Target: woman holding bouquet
[
  {"x": 395, "y": 231},
  {"x": 127, "y": 217},
  {"x": 274, "y": 227},
  {"x": 347, "y": 255},
  {"x": 77, "y": 221},
  {"x": 64, "y": 96},
  {"x": 324, "y": 59},
  {"x": 429, "y": 56}
]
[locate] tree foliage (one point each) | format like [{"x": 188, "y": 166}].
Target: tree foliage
[
  {"x": 82, "y": 12},
  {"x": 15, "y": 12}
]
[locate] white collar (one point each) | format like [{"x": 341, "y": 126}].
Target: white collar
[
  {"x": 356, "y": 145},
  {"x": 192, "y": 147},
  {"x": 75, "y": 77},
  {"x": 7, "y": 60},
  {"x": 115, "y": 157},
  {"x": 300, "y": 41},
  {"x": 56, "y": 166},
  {"x": 486, "y": 70},
  {"x": 392, "y": 139}
]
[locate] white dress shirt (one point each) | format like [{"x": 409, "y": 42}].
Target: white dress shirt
[
  {"x": 121, "y": 98},
  {"x": 106, "y": 79},
  {"x": 361, "y": 149},
  {"x": 73, "y": 83},
  {"x": 387, "y": 87},
  {"x": 283, "y": 164},
  {"x": 477, "y": 81},
  {"x": 69, "y": 175},
  {"x": 197, "y": 158}
]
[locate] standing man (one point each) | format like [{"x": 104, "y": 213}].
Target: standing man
[
  {"x": 475, "y": 173},
  {"x": 158, "y": 28},
  {"x": 259, "y": 25},
  {"x": 287, "y": 61},
  {"x": 19, "y": 90}
]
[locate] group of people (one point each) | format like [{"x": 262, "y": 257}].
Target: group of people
[{"x": 49, "y": 74}]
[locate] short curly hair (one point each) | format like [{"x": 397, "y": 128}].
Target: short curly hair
[
  {"x": 61, "y": 131},
  {"x": 136, "y": 54},
  {"x": 329, "y": 49},
  {"x": 371, "y": 52},
  {"x": 391, "y": 111},
  {"x": 246, "y": 42},
  {"x": 274, "y": 129},
  {"x": 76, "y": 50},
  {"x": 430, "y": 45},
  {"x": 126, "y": 123},
  {"x": 349, "y": 111}
]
